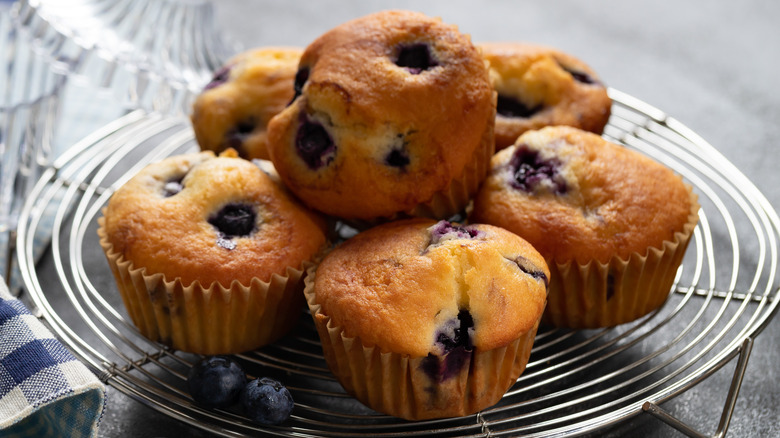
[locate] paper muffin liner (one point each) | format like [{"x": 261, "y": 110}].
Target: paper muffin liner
[
  {"x": 454, "y": 198},
  {"x": 398, "y": 385},
  {"x": 207, "y": 320},
  {"x": 599, "y": 294}
]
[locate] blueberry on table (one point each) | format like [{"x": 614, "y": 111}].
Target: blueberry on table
[
  {"x": 266, "y": 401},
  {"x": 216, "y": 381}
]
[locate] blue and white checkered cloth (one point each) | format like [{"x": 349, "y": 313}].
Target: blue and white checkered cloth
[{"x": 44, "y": 390}]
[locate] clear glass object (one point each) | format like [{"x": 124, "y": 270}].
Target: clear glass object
[
  {"x": 29, "y": 90},
  {"x": 155, "y": 54}
]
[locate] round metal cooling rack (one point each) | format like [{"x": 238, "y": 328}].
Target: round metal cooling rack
[{"x": 576, "y": 381}]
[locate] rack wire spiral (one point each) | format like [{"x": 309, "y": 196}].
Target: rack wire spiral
[{"x": 576, "y": 382}]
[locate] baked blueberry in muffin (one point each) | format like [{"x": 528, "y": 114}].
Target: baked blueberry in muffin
[
  {"x": 612, "y": 224},
  {"x": 234, "y": 108},
  {"x": 208, "y": 252},
  {"x": 540, "y": 86},
  {"x": 393, "y": 117},
  {"x": 447, "y": 313}
]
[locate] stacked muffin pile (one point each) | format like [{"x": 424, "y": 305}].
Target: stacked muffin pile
[{"x": 391, "y": 123}]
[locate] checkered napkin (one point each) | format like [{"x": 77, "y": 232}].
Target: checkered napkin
[{"x": 44, "y": 390}]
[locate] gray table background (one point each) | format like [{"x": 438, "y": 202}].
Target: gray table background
[{"x": 710, "y": 64}]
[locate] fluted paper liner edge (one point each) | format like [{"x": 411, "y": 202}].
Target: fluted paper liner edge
[
  {"x": 207, "y": 320},
  {"x": 596, "y": 294},
  {"x": 395, "y": 384}
]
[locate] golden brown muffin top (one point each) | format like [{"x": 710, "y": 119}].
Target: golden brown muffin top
[
  {"x": 399, "y": 102},
  {"x": 576, "y": 196},
  {"x": 235, "y": 107},
  {"x": 410, "y": 286},
  {"x": 541, "y": 86},
  {"x": 203, "y": 218}
]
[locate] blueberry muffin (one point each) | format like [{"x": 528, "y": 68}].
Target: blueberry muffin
[
  {"x": 422, "y": 319},
  {"x": 540, "y": 86},
  {"x": 393, "y": 117},
  {"x": 233, "y": 109},
  {"x": 209, "y": 253},
  {"x": 612, "y": 224}
]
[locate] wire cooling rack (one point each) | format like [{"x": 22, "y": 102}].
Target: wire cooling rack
[{"x": 576, "y": 381}]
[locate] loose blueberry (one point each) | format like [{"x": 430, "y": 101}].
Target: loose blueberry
[
  {"x": 455, "y": 347},
  {"x": 445, "y": 230},
  {"x": 530, "y": 170},
  {"x": 234, "y": 138},
  {"x": 173, "y": 187},
  {"x": 266, "y": 401},
  {"x": 314, "y": 145},
  {"x": 301, "y": 76},
  {"x": 234, "y": 220},
  {"x": 220, "y": 77},
  {"x": 527, "y": 267},
  {"x": 511, "y": 107},
  {"x": 415, "y": 58},
  {"x": 216, "y": 382}
]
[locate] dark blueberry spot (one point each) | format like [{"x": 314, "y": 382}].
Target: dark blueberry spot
[
  {"x": 397, "y": 158},
  {"x": 415, "y": 58},
  {"x": 455, "y": 347},
  {"x": 235, "y": 137},
  {"x": 530, "y": 170},
  {"x": 220, "y": 77},
  {"x": 511, "y": 107},
  {"x": 445, "y": 230},
  {"x": 173, "y": 186},
  {"x": 301, "y": 76},
  {"x": 234, "y": 220},
  {"x": 580, "y": 76},
  {"x": 610, "y": 286},
  {"x": 314, "y": 144},
  {"x": 526, "y": 266},
  {"x": 458, "y": 334}
]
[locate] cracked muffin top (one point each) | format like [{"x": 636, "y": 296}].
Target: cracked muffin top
[{"x": 421, "y": 287}]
